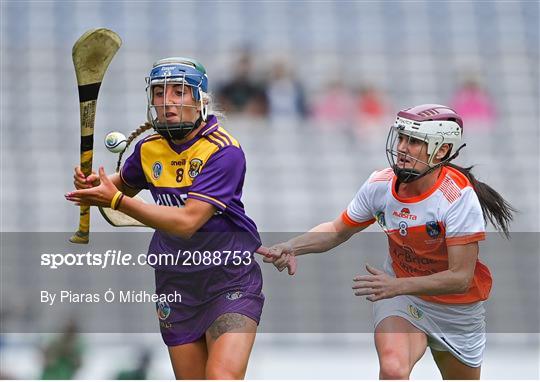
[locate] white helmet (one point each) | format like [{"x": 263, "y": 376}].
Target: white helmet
[{"x": 434, "y": 124}]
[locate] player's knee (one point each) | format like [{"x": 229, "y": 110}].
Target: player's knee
[
  {"x": 217, "y": 370},
  {"x": 393, "y": 366}
]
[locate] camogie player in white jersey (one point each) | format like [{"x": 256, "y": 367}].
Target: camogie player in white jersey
[{"x": 432, "y": 286}]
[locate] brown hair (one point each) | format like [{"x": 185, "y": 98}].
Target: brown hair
[
  {"x": 494, "y": 207},
  {"x": 134, "y": 134}
]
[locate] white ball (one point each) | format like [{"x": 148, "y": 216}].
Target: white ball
[{"x": 115, "y": 142}]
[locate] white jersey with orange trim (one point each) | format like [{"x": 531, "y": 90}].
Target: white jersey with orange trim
[{"x": 419, "y": 229}]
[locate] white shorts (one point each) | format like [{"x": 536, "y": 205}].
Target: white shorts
[{"x": 459, "y": 329}]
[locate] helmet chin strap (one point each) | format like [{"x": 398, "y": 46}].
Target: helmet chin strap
[
  {"x": 410, "y": 175},
  {"x": 179, "y": 130},
  {"x": 204, "y": 107}
]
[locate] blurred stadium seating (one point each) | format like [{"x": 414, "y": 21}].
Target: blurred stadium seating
[{"x": 298, "y": 176}]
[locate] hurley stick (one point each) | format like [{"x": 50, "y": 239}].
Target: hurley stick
[{"x": 92, "y": 54}]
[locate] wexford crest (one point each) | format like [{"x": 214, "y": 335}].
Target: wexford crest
[{"x": 195, "y": 167}]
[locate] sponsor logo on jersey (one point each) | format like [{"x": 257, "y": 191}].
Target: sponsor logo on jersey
[
  {"x": 157, "y": 169},
  {"x": 405, "y": 213},
  {"x": 195, "y": 167},
  {"x": 179, "y": 163},
  {"x": 433, "y": 229},
  {"x": 414, "y": 312},
  {"x": 234, "y": 295},
  {"x": 163, "y": 310}
]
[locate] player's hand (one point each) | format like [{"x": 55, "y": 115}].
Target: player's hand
[
  {"x": 82, "y": 182},
  {"x": 376, "y": 286},
  {"x": 282, "y": 256},
  {"x": 100, "y": 195}
]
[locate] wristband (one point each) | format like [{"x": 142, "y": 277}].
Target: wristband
[
  {"x": 115, "y": 199},
  {"x": 119, "y": 201}
]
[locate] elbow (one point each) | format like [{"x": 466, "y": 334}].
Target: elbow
[
  {"x": 461, "y": 288},
  {"x": 463, "y": 284},
  {"x": 184, "y": 235},
  {"x": 184, "y": 230}
]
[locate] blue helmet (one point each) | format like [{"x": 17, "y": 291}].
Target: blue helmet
[{"x": 177, "y": 70}]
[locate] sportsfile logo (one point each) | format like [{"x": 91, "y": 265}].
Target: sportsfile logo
[{"x": 405, "y": 213}]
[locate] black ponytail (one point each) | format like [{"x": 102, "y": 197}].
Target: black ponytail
[{"x": 494, "y": 207}]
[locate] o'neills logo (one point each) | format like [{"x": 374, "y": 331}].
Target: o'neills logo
[
  {"x": 405, "y": 213},
  {"x": 181, "y": 162}
]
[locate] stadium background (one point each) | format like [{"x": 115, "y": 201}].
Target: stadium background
[{"x": 301, "y": 170}]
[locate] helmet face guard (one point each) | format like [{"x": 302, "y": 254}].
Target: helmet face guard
[
  {"x": 427, "y": 124},
  {"x": 175, "y": 71},
  {"x": 404, "y": 175}
]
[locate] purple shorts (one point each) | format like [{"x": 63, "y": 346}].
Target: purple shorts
[{"x": 204, "y": 296}]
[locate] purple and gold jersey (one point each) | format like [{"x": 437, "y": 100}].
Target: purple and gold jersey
[{"x": 211, "y": 168}]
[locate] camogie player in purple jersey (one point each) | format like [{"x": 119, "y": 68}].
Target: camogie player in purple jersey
[{"x": 195, "y": 164}]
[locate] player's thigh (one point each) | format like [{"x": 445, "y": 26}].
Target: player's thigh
[
  {"x": 399, "y": 346},
  {"x": 452, "y": 368},
  {"x": 189, "y": 360},
  {"x": 230, "y": 340}
]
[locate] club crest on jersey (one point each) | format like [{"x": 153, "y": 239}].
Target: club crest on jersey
[
  {"x": 415, "y": 313},
  {"x": 433, "y": 229},
  {"x": 405, "y": 213},
  {"x": 157, "y": 169},
  {"x": 379, "y": 216},
  {"x": 163, "y": 310},
  {"x": 195, "y": 167},
  {"x": 234, "y": 295}
]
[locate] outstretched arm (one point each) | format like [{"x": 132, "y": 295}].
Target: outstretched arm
[{"x": 321, "y": 238}]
